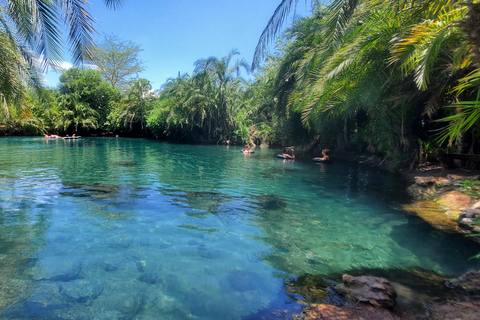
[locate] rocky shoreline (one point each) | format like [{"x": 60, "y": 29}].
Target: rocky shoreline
[
  {"x": 376, "y": 298},
  {"x": 448, "y": 201}
]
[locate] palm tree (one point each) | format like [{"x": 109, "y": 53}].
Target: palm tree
[
  {"x": 139, "y": 98},
  {"x": 221, "y": 81},
  {"x": 74, "y": 113},
  {"x": 31, "y": 40},
  {"x": 445, "y": 42},
  {"x": 393, "y": 61}
]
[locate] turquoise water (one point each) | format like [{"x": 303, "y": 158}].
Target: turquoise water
[{"x": 118, "y": 228}]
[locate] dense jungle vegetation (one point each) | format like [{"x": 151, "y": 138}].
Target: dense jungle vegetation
[{"x": 400, "y": 79}]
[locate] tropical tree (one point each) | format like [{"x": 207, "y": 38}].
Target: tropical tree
[
  {"x": 202, "y": 107},
  {"x": 171, "y": 116},
  {"x": 118, "y": 61},
  {"x": 89, "y": 88},
  {"x": 378, "y": 75},
  {"x": 444, "y": 42}
]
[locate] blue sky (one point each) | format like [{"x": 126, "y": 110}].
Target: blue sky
[{"x": 174, "y": 34}]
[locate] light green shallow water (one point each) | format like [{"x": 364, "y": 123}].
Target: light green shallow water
[{"x": 135, "y": 229}]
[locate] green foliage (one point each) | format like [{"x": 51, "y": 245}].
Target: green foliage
[
  {"x": 90, "y": 89},
  {"x": 202, "y": 107},
  {"x": 470, "y": 187},
  {"x": 31, "y": 41},
  {"x": 377, "y": 76},
  {"x": 134, "y": 111},
  {"x": 385, "y": 77}
]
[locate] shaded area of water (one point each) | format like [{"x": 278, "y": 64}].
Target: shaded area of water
[{"x": 137, "y": 229}]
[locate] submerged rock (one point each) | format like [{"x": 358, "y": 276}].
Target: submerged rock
[
  {"x": 468, "y": 283},
  {"x": 149, "y": 278},
  {"x": 373, "y": 290},
  {"x": 435, "y": 300},
  {"x": 65, "y": 275},
  {"x": 432, "y": 212},
  {"x": 81, "y": 290},
  {"x": 271, "y": 202},
  {"x": 454, "y": 310},
  {"x": 125, "y": 163},
  {"x": 457, "y": 208},
  {"x": 314, "y": 288},
  {"x": 109, "y": 267}
]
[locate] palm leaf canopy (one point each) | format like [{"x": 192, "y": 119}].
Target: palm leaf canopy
[{"x": 36, "y": 25}]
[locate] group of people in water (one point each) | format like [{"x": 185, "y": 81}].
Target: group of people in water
[
  {"x": 51, "y": 136},
  {"x": 54, "y": 136},
  {"x": 289, "y": 154}
]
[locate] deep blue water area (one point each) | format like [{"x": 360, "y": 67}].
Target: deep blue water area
[{"x": 114, "y": 228}]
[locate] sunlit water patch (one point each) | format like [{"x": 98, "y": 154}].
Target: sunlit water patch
[{"x": 135, "y": 229}]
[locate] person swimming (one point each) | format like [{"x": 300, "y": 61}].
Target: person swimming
[
  {"x": 324, "y": 157},
  {"x": 247, "y": 150},
  {"x": 289, "y": 153}
]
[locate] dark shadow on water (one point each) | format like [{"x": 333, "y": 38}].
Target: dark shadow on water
[
  {"x": 111, "y": 197},
  {"x": 270, "y": 202},
  {"x": 453, "y": 251},
  {"x": 102, "y": 191},
  {"x": 125, "y": 163},
  {"x": 415, "y": 287},
  {"x": 274, "y": 173},
  {"x": 313, "y": 289},
  {"x": 422, "y": 280}
]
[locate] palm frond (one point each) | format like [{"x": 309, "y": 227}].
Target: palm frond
[
  {"x": 273, "y": 28},
  {"x": 470, "y": 81},
  {"x": 432, "y": 106},
  {"x": 339, "y": 15},
  {"x": 49, "y": 42},
  {"x": 80, "y": 26},
  {"x": 467, "y": 114},
  {"x": 419, "y": 48},
  {"x": 114, "y": 4}
]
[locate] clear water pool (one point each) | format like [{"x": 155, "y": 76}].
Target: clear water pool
[{"x": 113, "y": 228}]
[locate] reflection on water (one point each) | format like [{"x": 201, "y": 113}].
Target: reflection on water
[{"x": 136, "y": 229}]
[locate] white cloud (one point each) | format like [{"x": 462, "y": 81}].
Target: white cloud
[{"x": 64, "y": 65}]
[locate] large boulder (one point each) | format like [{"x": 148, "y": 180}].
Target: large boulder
[
  {"x": 373, "y": 290},
  {"x": 454, "y": 202}
]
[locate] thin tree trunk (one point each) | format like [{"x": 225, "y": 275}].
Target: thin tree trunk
[{"x": 471, "y": 26}]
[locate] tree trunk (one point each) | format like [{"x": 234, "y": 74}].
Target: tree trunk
[
  {"x": 346, "y": 133},
  {"x": 471, "y": 26}
]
